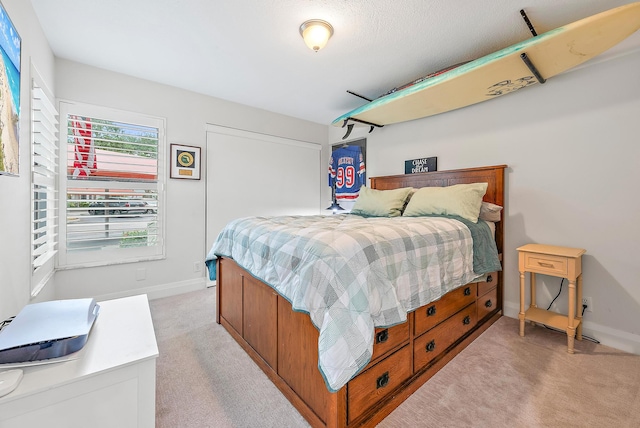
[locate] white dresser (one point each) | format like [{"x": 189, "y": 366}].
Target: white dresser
[{"x": 112, "y": 383}]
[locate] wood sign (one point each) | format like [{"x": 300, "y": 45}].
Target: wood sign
[{"x": 421, "y": 165}]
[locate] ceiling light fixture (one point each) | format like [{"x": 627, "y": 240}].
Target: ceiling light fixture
[{"x": 316, "y": 33}]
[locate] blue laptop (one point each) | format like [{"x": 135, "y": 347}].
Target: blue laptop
[{"x": 42, "y": 331}]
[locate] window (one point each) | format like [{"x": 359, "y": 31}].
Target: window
[
  {"x": 112, "y": 186},
  {"x": 44, "y": 163}
]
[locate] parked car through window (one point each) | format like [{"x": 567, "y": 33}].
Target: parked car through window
[{"x": 120, "y": 207}]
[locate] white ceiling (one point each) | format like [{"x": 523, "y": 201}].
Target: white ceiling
[{"x": 250, "y": 51}]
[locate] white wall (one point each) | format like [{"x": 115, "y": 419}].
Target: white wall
[
  {"x": 573, "y": 151},
  {"x": 15, "y": 194},
  {"x": 186, "y": 114},
  {"x": 263, "y": 175}
]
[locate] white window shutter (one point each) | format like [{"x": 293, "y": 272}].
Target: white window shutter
[{"x": 44, "y": 166}]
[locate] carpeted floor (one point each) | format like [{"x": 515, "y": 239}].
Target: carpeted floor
[{"x": 204, "y": 379}]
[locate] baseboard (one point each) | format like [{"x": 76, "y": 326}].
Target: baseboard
[
  {"x": 607, "y": 336},
  {"x": 159, "y": 291}
]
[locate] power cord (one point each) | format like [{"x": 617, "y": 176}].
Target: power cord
[
  {"x": 559, "y": 291},
  {"x": 584, "y": 308},
  {"x": 6, "y": 322}
]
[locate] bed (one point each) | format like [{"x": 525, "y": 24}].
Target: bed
[{"x": 407, "y": 347}]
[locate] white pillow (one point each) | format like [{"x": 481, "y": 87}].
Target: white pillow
[
  {"x": 490, "y": 212},
  {"x": 381, "y": 203},
  {"x": 463, "y": 200}
]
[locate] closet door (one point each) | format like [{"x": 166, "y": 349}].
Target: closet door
[{"x": 255, "y": 174}]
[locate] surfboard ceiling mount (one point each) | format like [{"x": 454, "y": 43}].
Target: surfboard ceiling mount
[
  {"x": 524, "y": 56},
  {"x": 350, "y": 125},
  {"x": 529, "y": 24},
  {"x": 532, "y": 67}
]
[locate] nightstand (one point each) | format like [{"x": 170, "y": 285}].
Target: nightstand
[{"x": 563, "y": 262}]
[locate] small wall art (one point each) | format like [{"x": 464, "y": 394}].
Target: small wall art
[
  {"x": 10, "y": 46},
  {"x": 185, "y": 162},
  {"x": 421, "y": 165}
]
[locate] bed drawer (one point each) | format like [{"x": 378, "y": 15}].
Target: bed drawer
[
  {"x": 430, "y": 315},
  {"x": 437, "y": 340},
  {"x": 545, "y": 264},
  {"x": 388, "y": 338},
  {"x": 487, "y": 303},
  {"x": 373, "y": 384},
  {"x": 490, "y": 282}
]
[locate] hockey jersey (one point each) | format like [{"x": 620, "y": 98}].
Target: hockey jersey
[{"x": 347, "y": 171}]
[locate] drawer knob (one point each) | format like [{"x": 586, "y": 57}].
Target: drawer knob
[
  {"x": 431, "y": 346},
  {"x": 490, "y": 278},
  {"x": 431, "y": 310},
  {"x": 488, "y": 303},
  {"x": 382, "y": 381},
  {"x": 466, "y": 320},
  {"x": 383, "y": 336},
  {"x": 547, "y": 265},
  {"x": 467, "y": 291}
]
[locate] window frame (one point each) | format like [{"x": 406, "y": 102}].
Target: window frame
[{"x": 110, "y": 255}]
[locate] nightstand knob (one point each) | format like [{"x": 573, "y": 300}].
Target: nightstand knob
[
  {"x": 488, "y": 303},
  {"x": 467, "y": 291},
  {"x": 431, "y": 310},
  {"x": 490, "y": 278},
  {"x": 466, "y": 320}
]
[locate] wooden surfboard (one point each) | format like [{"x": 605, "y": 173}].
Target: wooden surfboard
[{"x": 501, "y": 72}]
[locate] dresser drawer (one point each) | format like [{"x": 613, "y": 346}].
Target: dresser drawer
[
  {"x": 375, "y": 383},
  {"x": 487, "y": 303},
  {"x": 437, "y": 340},
  {"x": 545, "y": 264},
  {"x": 385, "y": 339},
  {"x": 490, "y": 282},
  {"x": 428, "y": 316}
]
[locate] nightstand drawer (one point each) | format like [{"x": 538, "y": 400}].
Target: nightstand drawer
[{"x": 546, "y": 264}]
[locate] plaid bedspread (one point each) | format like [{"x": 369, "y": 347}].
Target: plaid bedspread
[{"x": 351, "y": 274}]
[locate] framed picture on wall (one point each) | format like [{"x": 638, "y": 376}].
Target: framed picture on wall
[
  {"x": 185, "y": 162},
  {"x": 10, "y": 47}
]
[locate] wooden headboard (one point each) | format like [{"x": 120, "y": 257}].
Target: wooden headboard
[{"x": 493, "y": 175}]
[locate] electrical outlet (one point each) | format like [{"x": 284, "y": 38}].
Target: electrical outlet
[
  {"x": 197, "y": 267},
  {"x": 589, "y": 302}
]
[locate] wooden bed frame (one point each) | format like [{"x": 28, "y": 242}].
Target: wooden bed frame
[{"x": 284, "y": 343}]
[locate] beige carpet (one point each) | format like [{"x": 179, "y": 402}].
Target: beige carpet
[{"x": 204, "y": 379}]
